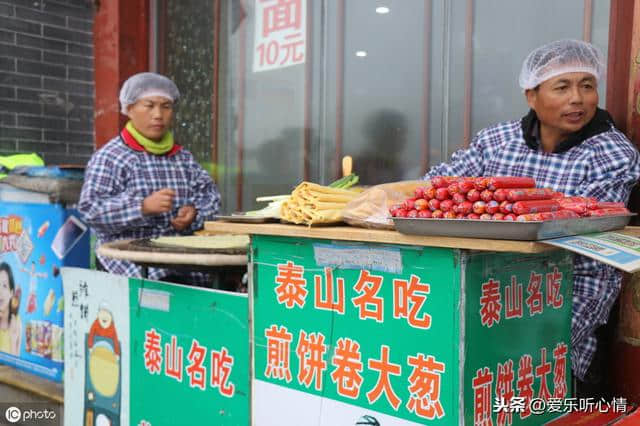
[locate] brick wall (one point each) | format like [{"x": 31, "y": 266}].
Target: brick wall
[{"x": 46, "y": 79}]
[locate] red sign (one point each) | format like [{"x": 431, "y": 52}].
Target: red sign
[{"x": 280, "y": 34}]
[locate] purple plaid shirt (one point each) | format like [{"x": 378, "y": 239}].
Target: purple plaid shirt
[
  {"x": 605, "y": 166},
  {"x": 116, "y": 181}
]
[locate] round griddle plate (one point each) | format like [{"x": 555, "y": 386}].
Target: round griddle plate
[{"x": 145, "y": 244}]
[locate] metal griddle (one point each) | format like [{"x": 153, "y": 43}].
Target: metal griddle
[{"x": 146, "y": 244}]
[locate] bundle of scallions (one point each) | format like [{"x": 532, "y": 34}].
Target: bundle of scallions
[{"x": 272, "y": 209}]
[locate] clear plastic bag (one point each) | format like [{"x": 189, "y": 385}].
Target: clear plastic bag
[{"x": 371, "y": 208}]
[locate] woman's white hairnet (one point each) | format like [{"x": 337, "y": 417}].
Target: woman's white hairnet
[
  {"x": 559, "y": 57},
  {"x": 144, "y": 85}
]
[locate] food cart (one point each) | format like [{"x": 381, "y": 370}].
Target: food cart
[
  {"x": 453, "y": 322},
  {"x": 341, "y": 325},
  {"x": 361, "y": 326}
]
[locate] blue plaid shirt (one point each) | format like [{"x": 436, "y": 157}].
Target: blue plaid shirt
[
  {"x": 605, "y": 166},
  {"x": 118, "y": 178}
]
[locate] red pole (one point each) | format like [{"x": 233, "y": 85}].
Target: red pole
[{"x": 121, "y": 48}]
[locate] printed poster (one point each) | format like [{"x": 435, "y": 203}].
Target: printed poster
[
  {"x": 97, "y": 348},
  {"x": 618, "y": 250},
  {"x": 36, "y": 240}
]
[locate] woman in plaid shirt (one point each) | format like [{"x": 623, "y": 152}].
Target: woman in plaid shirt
[
  {"x": 567, "y": 143},
  {"x": 142, "y": 184}
]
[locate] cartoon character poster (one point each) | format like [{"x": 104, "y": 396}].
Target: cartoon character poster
[
  {"x": 96, "y": 347},
  {"x": 36, "y": 240}
]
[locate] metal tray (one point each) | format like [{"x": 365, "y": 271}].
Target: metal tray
[
  {"x": 243, "y": 218},
  {"x": 507, "y": 230}
]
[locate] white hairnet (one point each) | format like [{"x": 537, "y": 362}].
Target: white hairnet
[
  {"x": 144, "y": 85},
  {"x": 559, "y": 57},
  {"x": 104, "y": 306}
]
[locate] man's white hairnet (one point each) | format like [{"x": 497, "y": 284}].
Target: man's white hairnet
[
  {"x": 559, "y": 57},
  {"x": 144, "y": 85}
]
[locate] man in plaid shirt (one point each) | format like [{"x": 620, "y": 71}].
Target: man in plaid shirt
[
  {"x": 566, "y": 143},
  {"x": 142, "y": 184}
]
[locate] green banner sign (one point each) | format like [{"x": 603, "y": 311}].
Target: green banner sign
[
  {"x": 344, "y": 331},
  {"x": 517, "y": 335},
  {"x": 189, "y": 355}
]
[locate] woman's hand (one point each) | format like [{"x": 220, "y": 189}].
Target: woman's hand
[
  {"x": 158, "y": 202},
  {"x": 186, "y": 216}
]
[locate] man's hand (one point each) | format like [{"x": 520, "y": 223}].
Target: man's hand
[
  {"x": 159, "y": 202},
  {"x": 186, "y": 215}
]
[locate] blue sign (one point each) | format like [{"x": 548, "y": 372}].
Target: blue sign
[{"x": 36, "y": 240}]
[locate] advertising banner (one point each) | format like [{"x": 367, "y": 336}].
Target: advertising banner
[{"x": 36, "y": 240}]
